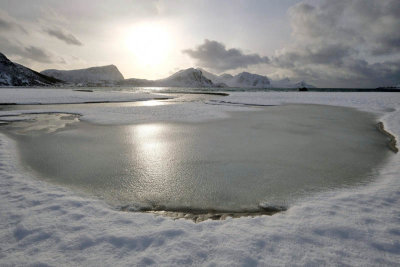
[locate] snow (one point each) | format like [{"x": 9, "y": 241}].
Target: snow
[
  {"x": 186, "y": 78},
  {"x": 251, "y": 80},
  {"x": 59, "y": 96},
  {"x": 243, "y": 80},
  {"x": 43, "y": 224},
  {"x": 90, "y": 75},
  {"x": 247, "y": 80},
  {"x": 190, "y": 77},
  {"x": 196, "y": 78}
]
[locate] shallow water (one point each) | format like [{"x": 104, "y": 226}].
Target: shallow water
[{"x": 271, "y": 157}]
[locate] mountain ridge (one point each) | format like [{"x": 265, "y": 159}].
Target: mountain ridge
[
  {"x": 101, "y": 74},
  {"x": 14, "y": 74}
]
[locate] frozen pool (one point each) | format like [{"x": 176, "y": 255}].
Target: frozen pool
[{"x": 243, "y": 164}]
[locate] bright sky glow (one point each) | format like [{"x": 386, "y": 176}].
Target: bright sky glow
[{"x": 150, "y": 43}]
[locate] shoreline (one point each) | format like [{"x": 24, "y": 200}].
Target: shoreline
[
  {"x": 392, "y": 143},
  {"x": 199, "y": 215}
]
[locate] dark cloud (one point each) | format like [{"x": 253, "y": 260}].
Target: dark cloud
[
  {"x": 5, "y": 24},
  {"x": 32, "y": 53},
  {"x": 344, "y": 42},
  {"x": 37, "y": 54},
  {"x": 329, "y": 54},
  {"x": 352, "y": 73},
  {"x": 214, "y": 55},
  {"x": 10, "y": 25},
  {"x": 63, "y": 36}
]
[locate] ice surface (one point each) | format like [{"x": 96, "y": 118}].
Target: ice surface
[
  {"x": 272, "y": 156},
  {"x": 59, "y": 96},
  {"x": 45, "y": 224}
]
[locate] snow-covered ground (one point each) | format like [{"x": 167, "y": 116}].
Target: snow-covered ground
[
  {"x": 43, "y": 224},
  {"x": 64, "y": 96}
]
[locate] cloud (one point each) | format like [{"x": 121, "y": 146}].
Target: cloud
[
  {"x": 344, "y": 42},
  {"x": 63, "y": 36},
  {"x": 5, "y": 24},
  {"x": 371, "y": 24},
  {"x": 37, "y": 54},
  {"x": 31, "y": 53},
  {"x": 328, "y": 54},
  {"x": 8, "y": 25},
  {"x": 214, "y": 55}
]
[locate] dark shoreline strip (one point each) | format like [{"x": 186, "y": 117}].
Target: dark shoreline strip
[
  {"x": 7, "y": 122},
  {"x": 198, "y": 93},
  {"x": 198, "y": 215},
  {"x": 221, "y": 102},
  {"x": 86, "y": 102},
  {"x": 392, "y": 139}
]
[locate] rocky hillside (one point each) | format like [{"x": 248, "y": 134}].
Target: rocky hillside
[{"x": 13, "y": 74}]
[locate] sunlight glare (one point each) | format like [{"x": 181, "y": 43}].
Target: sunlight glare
[{"x": 149, "y": 43}]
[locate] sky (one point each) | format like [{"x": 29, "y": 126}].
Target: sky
[{"x": 341, "y": 43}]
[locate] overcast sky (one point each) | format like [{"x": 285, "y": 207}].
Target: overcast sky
[{"x": 341, "y": 43}]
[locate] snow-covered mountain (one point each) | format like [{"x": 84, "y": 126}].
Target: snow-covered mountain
[
  {"x": 287, "y": 83},
  {"x": 184, "y": 78},
  {"x": 244, "y": 80},
  {"x": 13, "y": 74},
  {"x": 201, "y": 78},
  {"x": 95, "y": 75},
  {"x": 251, "y": 80},
  {"x": 247, "y": 80},
  {"x": 187, "y": 78},
  {"x": 218, "y": 81}
]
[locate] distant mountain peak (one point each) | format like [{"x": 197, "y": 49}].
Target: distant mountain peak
[
  {"x": 92, "y": 75},
  {"x": 190, "y": 77}
]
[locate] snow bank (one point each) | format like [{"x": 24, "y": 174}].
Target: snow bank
[{"x": 45, "y": 224}]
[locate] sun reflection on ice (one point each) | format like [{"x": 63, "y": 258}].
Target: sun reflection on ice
[{"x": 154, "y": 161}]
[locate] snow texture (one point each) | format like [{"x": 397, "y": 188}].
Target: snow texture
[{"x": 42, "y": 224}]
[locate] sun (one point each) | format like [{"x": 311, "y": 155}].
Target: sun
[{"x": 149, "y": 43}]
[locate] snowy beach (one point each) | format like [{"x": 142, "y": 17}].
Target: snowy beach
[{"x": 45, "y": 224}]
